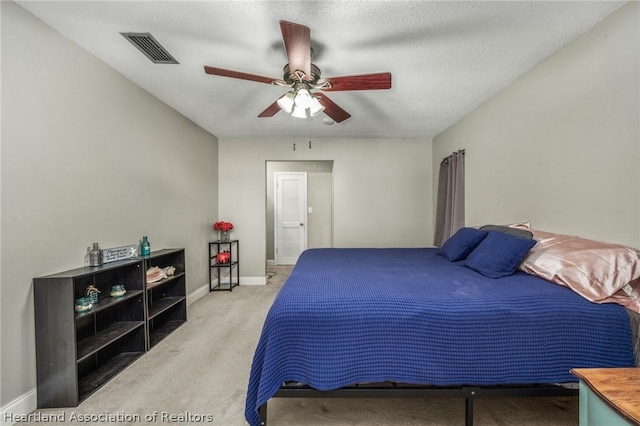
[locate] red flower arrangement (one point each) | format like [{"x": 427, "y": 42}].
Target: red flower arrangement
[{"x": 223, "y": 226}]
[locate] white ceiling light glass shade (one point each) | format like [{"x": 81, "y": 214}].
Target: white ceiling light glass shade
[
  {"x": 299, "y": 112},
  {"x": 303, "y": 98},
  {"x": 300, "y": 102},
  {"x": 316, "y": 107},
  {"x": 285, "y": 102}
]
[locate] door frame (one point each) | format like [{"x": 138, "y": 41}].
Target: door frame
[{"x": 276, "y": 193}]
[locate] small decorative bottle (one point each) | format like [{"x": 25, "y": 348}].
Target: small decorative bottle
[
  {"x": 145, "y": 247},
  {"x": 95, "y": 255}
]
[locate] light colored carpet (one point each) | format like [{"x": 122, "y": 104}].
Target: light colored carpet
[{"x": 202, "y": 369}]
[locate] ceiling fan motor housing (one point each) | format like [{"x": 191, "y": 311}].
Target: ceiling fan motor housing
[{"x": 291, "y": 77}]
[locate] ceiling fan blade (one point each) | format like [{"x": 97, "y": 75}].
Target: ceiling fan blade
[
  {"x": 376, "y": 81},
  {"x": 236, "y": 74},
  {"x": 331, "y": 109},
  {"x": 297, "y": 42},
  {"x": 271, "y": 110}
]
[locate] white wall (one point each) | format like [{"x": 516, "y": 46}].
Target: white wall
[
  {"x": 87, "y": 156},
  {"x": 560, "y": 146},
  {"x": 382, "y": 192},
  {"x": 320, "y": 201}
]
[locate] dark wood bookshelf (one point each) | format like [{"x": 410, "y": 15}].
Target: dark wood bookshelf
[
  {"x": 162, "y": 305},
  {"x": 165, "y": 280},
  {"x": 78, "y": 352},
  {"x": 166, "y": 300},
  {"x": 107, "y": 302},
  {"x": 115, "y": 331},
  {"x": 105, "y": 372},
  {"x": 74, "y": 348},
  {"x": 162, "y": 331}
]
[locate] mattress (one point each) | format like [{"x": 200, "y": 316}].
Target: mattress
[{"x": 348, "y": 316}]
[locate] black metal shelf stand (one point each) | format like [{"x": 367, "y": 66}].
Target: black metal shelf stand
[{"x": 225, "y": 283}]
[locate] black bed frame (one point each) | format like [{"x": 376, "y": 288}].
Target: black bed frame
[{"x": 469, "y": 393}]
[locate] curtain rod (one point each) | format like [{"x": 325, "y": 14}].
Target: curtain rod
[{"x": 444, "y": 160}]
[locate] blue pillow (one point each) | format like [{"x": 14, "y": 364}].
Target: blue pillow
[
  {"x": 461, "y": 244},
  {"x": 499, "y": 254}
]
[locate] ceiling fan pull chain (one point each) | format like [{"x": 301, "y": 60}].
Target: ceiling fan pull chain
[{"x": 309, "y": 130}]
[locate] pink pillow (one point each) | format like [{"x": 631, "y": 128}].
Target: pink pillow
[
  {"x": 521, "y": 225},
  {"x": 600, "y": 272}
]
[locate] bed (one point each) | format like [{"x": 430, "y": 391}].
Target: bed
[{"x": 408, "y": 322}]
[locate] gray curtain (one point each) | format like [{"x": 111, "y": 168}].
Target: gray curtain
[{"x": 450, "y": 203}]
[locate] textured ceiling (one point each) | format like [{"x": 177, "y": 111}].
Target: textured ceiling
[{"x": 446, "y": 57}]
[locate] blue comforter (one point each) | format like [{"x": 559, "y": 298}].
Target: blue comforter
[{"x": 348, "y": 316}]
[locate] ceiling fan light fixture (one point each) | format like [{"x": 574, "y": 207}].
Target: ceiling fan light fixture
[
  {"x": 303, "y": 98},
  {"x": 286, "y": 102},
  {"x": 299, "y": 112},
  {"x": 316, "y": 107}
]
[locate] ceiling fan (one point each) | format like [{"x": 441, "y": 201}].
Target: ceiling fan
[{"x": 302, "y": 77}]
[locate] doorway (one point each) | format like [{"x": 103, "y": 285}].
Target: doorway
[{"x": 283, "y": 237}]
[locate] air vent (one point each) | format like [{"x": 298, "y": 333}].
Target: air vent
[{"x": 150, "y": 47}]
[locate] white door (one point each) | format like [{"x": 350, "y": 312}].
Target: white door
[{"x": 290, "y": 216}]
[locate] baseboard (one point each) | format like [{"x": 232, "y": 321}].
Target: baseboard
[
  {"x": 271, "y": 262},
  {"x": 19, "y": 407},
  {"x": 253, "y": 280},
  {"x": 198, "y": 293}
]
